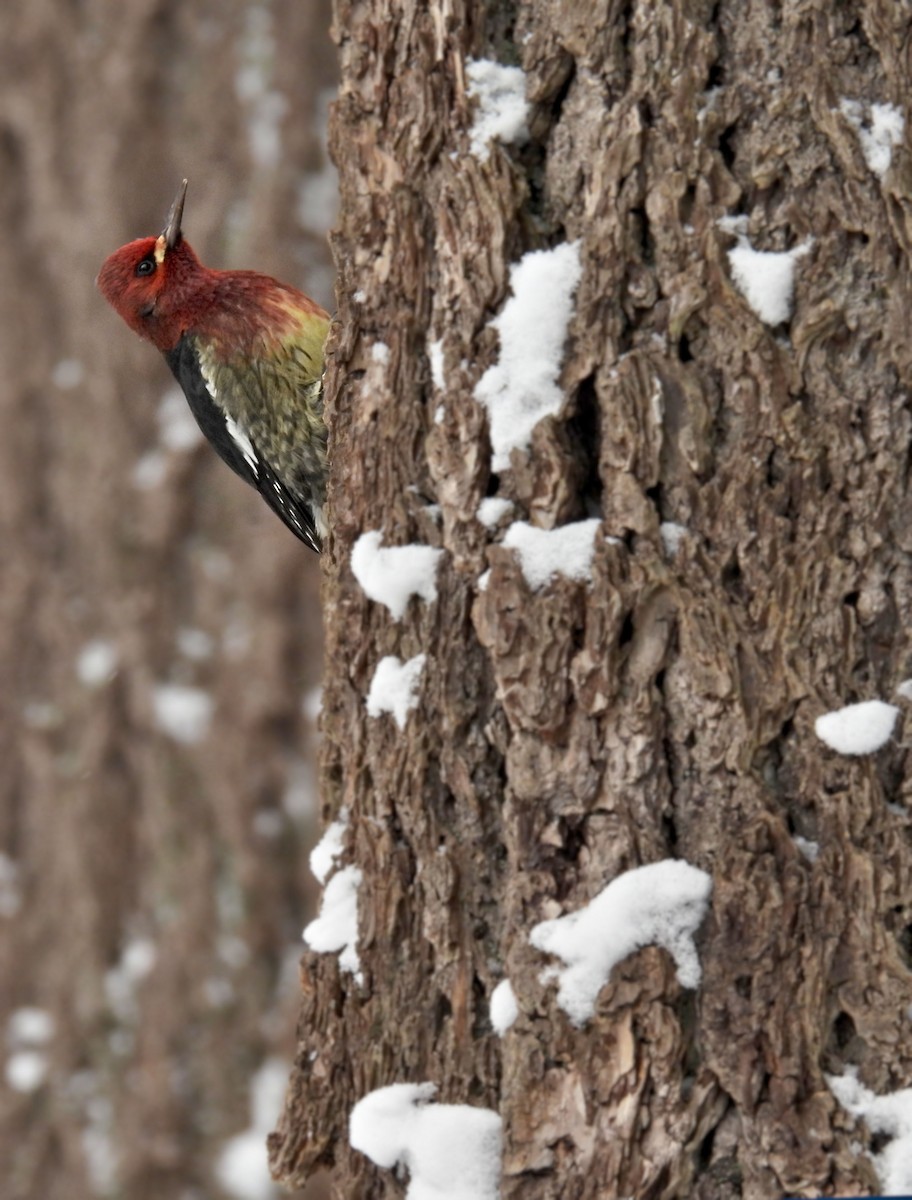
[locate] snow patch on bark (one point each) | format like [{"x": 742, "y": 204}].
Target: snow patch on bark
[
  {"x": 522, "y": 388},
  {"x": 451, "y": 1151},
  {"x": 660, "y": 904},
  {"x": 857, "y": 728}
]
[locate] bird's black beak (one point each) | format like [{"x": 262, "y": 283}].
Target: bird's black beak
[{"x": 172, "y": 231}]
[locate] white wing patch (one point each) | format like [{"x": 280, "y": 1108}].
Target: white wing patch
[
  {"x": 243, "y": 442},
  {"x": 237, "y": 434}
]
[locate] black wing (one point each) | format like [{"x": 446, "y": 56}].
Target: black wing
[{"x": 236, "y": 449}]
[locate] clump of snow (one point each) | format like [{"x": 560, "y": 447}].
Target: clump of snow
[
  {"x": 672, "y": 535},
  {"x": 890, "y": 1115},
  {"x": 242, "y": 1168},
  {"x": 659, "y": 904},
  {"x": 336, "y": 928},
  {"x": 522, "y": 388},
  {"x": 502, "y": 110},
  {"x": 857, "y": 728},
  {"x": 122, "y": 981},
  {"x": 67, "y": 374},
  {"x": 318, "y": 192},
  {"x": 102, "y": 1156},
  {"x": 504, "y": 1010},
  {"x": 810, "y": 850},
  {"x": 96, "y": 663},
  {"x": 435, "y": 358},
  {"x": 329, "y": 848},
  {"x": 380, "y": 353},
  {"x": 878, "y": 135},
  {"x": 26, "y": 1070},
  {"x": 394, "y": 687},
  {"x": 391, "y": 575},
  {"x": 567, "y": 550},
  {"x": 183, "y": 713},
  {"x": 492, "y": 510},
  {"x": 483, "y": 580},
  {"x": 263, "y": 106},
  {"x": 451, "y": 1151},
  {"x": 904, "y": 689},
  {"x": 150, "y": 471},
  {"x": 312, "y": 704},
  {"x": 29, "y": 1026},
  {"x": 195, "y": 644},
  {"x": 177, "y": 428},
  {"x": 766, "y": 280}
]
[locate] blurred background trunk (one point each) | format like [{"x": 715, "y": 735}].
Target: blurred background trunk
[
  {"x": 160, "y": 631},
  {"x": 752, "y": 571}
]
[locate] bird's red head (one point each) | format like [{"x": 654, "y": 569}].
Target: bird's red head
[{"x": 154, "y": 282}]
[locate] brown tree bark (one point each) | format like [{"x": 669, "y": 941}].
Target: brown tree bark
[
  {"x": 152, "y": 890},
  {"x": 665, "y": 709}
]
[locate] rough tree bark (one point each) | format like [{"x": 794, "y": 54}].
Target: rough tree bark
[{"x": 666, "y": 709}]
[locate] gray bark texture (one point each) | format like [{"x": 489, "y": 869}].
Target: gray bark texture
[
  {"x": 152, "y": 891},
  {"x": 666, "y": 708}
]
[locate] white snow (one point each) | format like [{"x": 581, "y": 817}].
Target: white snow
[
  {"x": 890, "y": 1115},
  {"x": 659, "y": 904},
  {"x": 567, "y": 550},
  {"x": 329, "y": 848},
  {"x": 312, "y": 704},
  {"x": 195, "y": 644},
  {"x": 391, "y": 575},
  {"x": 26, "y": 1070},
  {"x": 451, "y": 1151},
  {"x": 878, "y": 135},
  {"x": 336, "y": 928},
  {"x": 810, "y": 850},
  {"x": 483, "y": 580},
  {"x": 102, "y": 1157},
  {"x": 394, "y": 687},
  {"x": 380, "y": 353},
  {"x": 183, "y": 713},
  {"x": 522, "y": 387},
  {"x": 502, "y": 110},
  {"x": 904, "y": 689},
  {"x": 67, "y": 374},
  {"x": 150, "y": 471},
  {"x": 857, "y": 728},
  {"x": 435, "y": 358},
  {"x": 492, "y": 509},
  {"x": 766, "y": 280},
  {"x": 318, "y": 192},
  {"x": 177, "y": 429},
  {"x": 242, "y": 1167},
  {"x": 672, "y": 535},
  {"x": 263, "y": 106},
  {"x": 96, "y": 663},
  {"x": 29, "y": 1026},
  {"x": 122, "y": 981},
  {"x": 504, "y": 1010}
]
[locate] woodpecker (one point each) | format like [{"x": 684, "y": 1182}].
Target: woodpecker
[{"x": 247, "y": 351}]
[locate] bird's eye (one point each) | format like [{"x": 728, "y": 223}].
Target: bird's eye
[{"x": 145, "y": 267}]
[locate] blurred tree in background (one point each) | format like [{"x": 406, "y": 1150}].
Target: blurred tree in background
[{"x": 160, "y": 631}]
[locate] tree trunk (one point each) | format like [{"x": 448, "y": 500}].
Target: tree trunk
[{"x": 746, "y": 453}]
